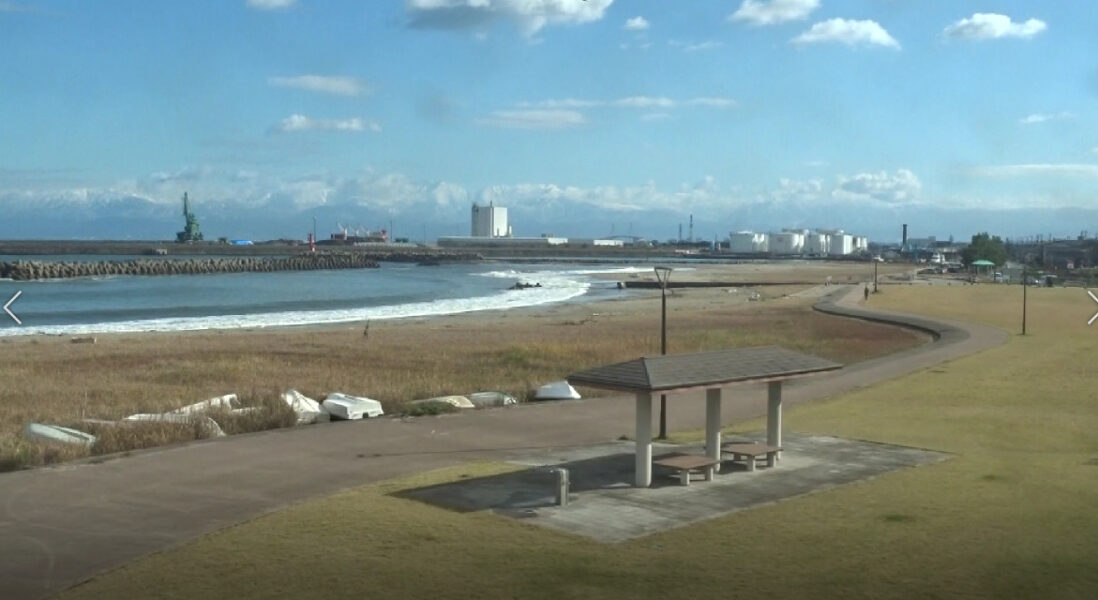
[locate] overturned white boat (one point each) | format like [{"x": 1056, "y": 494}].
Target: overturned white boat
[
  {"x": 307, "y": 409},
  {"x": 558, "y": 390},
  {"x": 454, "y": 401},
  {"x": 228, "y": 402},
  {"x": 40, "y": 432},
  {"x": 488, "y": 399},
  {"x": 346, "y": 407},
  {"x": 209, "y": 427}
]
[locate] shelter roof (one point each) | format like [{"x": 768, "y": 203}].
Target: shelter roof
[{"x": 702, "y": 369}]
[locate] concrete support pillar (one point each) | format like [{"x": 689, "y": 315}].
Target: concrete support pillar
[
  {"x": 643, "y": 464},
  {"x": 774, "y": 415},
  {"x": 713, "y": 425}
]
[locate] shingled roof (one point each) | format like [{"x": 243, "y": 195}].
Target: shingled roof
[{"x": 702, "y": 369}]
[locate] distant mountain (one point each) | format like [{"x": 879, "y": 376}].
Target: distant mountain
[{"x": 128, "y": 216}]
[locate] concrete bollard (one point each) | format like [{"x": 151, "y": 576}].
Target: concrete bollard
[{"x": 562, "y": 486}]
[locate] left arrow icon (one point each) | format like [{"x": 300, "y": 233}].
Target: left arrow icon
[{"x": 7, "y": 307}]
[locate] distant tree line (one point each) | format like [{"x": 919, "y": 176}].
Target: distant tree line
[{"x": 985, "y": 247}]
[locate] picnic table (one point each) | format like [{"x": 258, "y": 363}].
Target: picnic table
[{"x": 686, "y": 464}]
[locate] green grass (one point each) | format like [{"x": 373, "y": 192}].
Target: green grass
[{"x": 1012, "y": 515}]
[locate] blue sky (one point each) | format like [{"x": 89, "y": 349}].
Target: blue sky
[{"x": 582, "y": 117}]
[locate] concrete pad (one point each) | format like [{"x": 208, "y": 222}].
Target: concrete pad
[{"x": 605, "y": 506}]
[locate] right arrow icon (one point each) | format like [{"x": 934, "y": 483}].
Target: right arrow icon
[
  {"x": 7, "y": 307},
  {"x": 1095, "y": 298}
]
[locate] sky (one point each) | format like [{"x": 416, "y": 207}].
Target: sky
[{"x": 585, "y": 118}]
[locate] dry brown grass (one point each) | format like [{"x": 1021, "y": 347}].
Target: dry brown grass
[
  {"x": 1010, "y": 515},
  {"x": 53, "y": 381}
]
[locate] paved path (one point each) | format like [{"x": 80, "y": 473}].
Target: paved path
[{"x": 62, "y": 525}]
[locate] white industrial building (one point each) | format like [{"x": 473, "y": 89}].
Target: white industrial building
[
  {"x": 748, "y": 242},
  {"x": 599, "y": 242},
  {"x": 787, "y": 242},
  {"x": 500, "y": 242},
  {"x": 817, "y": 244},
  {"x": 490, "y": 221},
  {"x": 842, "y": 244},
  {"x": 792, "y": 242}
]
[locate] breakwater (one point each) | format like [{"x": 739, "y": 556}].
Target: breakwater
[{"x": 24, "y": 270}]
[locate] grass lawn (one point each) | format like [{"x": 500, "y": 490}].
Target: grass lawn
[{"x": 1012, "y": 515}]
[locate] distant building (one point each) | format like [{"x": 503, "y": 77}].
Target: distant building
[
  {"x": 817, "y": 244},
  {"x": 596, "y": 242},
  {"x": 842, "y": 244},
  {"x": 500, "y": 242},
  {"x": 748, "y": 242},
  {"x": 490, "y": 221},
  {"x": 798, "y": 242},
  {"x": 787, "y": 242}
]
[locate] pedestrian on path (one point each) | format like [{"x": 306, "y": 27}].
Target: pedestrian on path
[{"x": 867, "y": 292}]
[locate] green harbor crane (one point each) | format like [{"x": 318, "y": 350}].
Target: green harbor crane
[{"x": 191, "y": 231}]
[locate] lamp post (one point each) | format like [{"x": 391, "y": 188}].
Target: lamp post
[
  {"x": 1025, "y": 284},
  {"x": 663, "y": 276},
  {"x": 875, "y": 275}
]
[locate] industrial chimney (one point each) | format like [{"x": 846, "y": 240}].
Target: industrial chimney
[{"x": 903, "y": 241}]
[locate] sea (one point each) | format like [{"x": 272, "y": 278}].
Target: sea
[{"x": 126, "y": 304}]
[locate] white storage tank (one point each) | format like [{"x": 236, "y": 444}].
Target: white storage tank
[
  {"x": 747, "y": 242},
  {"x": 787, "y": 242},
  {"x": 818, "y": 244},
  {"x": 842, "y": 245}
]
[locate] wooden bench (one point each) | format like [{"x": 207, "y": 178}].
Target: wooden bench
[
  {"x": 748, "y": 452},
  {"x": 685, "y": 463}
]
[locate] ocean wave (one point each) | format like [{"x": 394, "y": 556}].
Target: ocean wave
[{"x": 556, "y": 286}]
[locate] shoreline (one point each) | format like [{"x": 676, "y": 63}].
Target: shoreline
[{"x": 774, "y": 280}]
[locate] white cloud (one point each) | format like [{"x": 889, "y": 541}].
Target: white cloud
[
  {"x": 643, "y": 102},
  {"x": 712, "y": 102},
  {"x": 990, "y": 26},
  {"x": 656, "y": 116},
  {"x": 637, "y": 23},
  {"x": 1039, "y": 170},
  {"x": 11, "y": 7},
  {"x": 892, "y": 188},
  {"x": 772, "y": 12},
  {"x": 271, "y": 4},
  {"x": 534, "y": 119},
  {"x": 298, "y": 122},
  {"x": 562, "y": 103},
  {"x": 530, "y": 15},
  {"x": 706, "y": 45},
  {"x": 847, "y": 32},
  {"x": 1044, "y": 117},
  {"x": 327, "y": 84}
]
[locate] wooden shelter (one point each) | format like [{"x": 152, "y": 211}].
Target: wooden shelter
[{"x": 702, "y": 370}]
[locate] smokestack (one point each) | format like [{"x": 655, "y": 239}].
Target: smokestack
[
  {"x": 903, "y": 241},
  {"x": 691, "y": 228}
]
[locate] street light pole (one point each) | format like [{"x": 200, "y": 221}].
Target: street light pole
[
  {"x": 874, "y": 275},
  {"x": 663, "y": 276},
  {"x": 1025, "y": 284}
]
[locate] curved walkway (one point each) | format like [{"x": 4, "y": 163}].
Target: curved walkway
[{"x": 62, "y": 525}]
